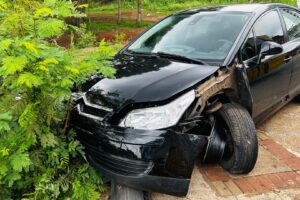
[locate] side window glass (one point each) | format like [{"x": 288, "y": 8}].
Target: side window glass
[
  {"x": 249, "y": 49},
  {"x": 292, "y": 22},
  {"x": 269, "y": 28}
]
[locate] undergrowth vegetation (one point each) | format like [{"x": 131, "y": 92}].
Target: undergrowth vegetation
[
  {"x": 124, "y": 24},
  {"x": 39, "y": 159}
]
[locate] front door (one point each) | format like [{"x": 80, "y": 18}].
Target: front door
[{"x": 269, "y": 78}]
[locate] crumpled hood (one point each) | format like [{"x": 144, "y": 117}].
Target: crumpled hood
[{"x": 144, "y": 80}]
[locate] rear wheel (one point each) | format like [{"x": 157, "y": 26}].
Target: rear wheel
[{"x": 241, "y": 148}]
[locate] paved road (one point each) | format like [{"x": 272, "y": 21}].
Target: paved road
[{"x": 277, "y": 172}]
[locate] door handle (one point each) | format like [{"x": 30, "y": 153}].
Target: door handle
[{"x": 288, "y": 59}]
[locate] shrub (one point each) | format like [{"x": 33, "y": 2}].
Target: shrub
[{"x": 38, "y": 158}]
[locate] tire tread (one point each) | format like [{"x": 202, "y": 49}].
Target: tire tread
[{"x": 243, "y": 132}]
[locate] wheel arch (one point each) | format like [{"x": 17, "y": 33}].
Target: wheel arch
[{"x": 227, "y": 86}]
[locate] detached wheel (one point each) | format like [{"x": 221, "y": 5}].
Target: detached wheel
[{"x": 241, "y": 148}]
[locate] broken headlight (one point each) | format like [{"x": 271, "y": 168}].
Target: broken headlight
[{"x": 161, "y": 116}]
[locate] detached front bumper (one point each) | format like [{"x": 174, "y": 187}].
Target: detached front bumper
[{"x": 158, "y": 161}]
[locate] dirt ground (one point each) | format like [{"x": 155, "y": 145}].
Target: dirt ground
[
  {"x": 275, "y": 176},
  {"x": 130, "y": 33},
  {"x": 102, "y": 17}
]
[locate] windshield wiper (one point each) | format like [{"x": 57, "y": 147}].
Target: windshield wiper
[
  {"x": 179, "y": 57},
  {"x": 130, "y": 53},
  {"x": 166, "y": 55}
]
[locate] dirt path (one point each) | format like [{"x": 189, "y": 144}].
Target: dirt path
[
  {"x": 129, "y": 34},
  {"x": 104, "y": 17}
]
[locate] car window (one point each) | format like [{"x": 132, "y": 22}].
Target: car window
[
  {"x": 269, "y": 28},
  {"x": 292, "y": 22}
]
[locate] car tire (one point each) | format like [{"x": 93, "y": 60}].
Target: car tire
[
  {"x": 121, "y": 192},
  {"x": 241, "y": 148}
]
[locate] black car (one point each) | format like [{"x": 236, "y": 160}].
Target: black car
[{"x": 190, "y": 88}]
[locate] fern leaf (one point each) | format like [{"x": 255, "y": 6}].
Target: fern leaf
[
  {"x": 50, "y": 28},
  {"x": 107, "y": 71},
  {"x": 12, "y": 64},
  {"x": 48, "y": 61},
  {"x": 64, "y": 11},
  {"x": 4, "y": 126},
  {"x": 28, "y": 116},
  {"x": 20, "y": 161},
  {"x": 5, "y": 116},
  {"x": 29, "y": 46},
  {"x": 12, "y": 178},
  {"x": 83, "y": 6},
  {"x": 4, "y": 152},
  {"x": 48, "y": 140},
  {"x": 66, "y": 83},
  {"x": 73, "y": 70},
  {"x": 29, "y": 80},
  {"x": 43, "y": 68},
  {"x": 3, "y": 6},
  {"x": 43, "y": 12},
  {"x": 5, "y": 44},
  {"x": 3, "y": 169},
  {"x": 64, "y": 159}
]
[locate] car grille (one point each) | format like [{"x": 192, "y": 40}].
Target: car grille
[
  {"x": 92, "y": 110},
  {"x": 117, "y": 164}
]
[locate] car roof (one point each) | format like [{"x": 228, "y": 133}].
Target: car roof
[{"x": 250, "y": 8}]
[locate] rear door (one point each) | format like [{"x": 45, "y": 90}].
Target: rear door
[
  {"x": 291, "y": 18},
  {"x": 269, "y": 79}
]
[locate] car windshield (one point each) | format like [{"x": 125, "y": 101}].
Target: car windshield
[{"x": 206, "y": 35}]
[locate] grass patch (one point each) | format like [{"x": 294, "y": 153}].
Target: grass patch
[
  {"x": 108, "y": 26},
  {"x": 169, "y": 6}
]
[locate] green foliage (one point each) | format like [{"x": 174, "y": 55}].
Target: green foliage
[
  {"x": 38, "y": 158},
  {"x": 105, "y": 26},
  {"x": 85, "y": 38},
  {"x": 50, "y": 28}
]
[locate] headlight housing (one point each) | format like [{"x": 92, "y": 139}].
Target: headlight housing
[{"x": 159, "y": 117}]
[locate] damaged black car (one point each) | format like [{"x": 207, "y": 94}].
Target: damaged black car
[{"x": 190, "y": 88}]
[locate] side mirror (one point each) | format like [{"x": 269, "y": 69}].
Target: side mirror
[{"x": 269, "y": 48}]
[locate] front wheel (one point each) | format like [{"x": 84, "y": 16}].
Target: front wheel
[{"x": 241, "y": 148}]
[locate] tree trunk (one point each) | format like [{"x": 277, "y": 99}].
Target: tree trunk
[
  {"x": 119, "y": 11},
  {"x": 80, "y": 20},
  {"x": 139, "y": 12}
]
